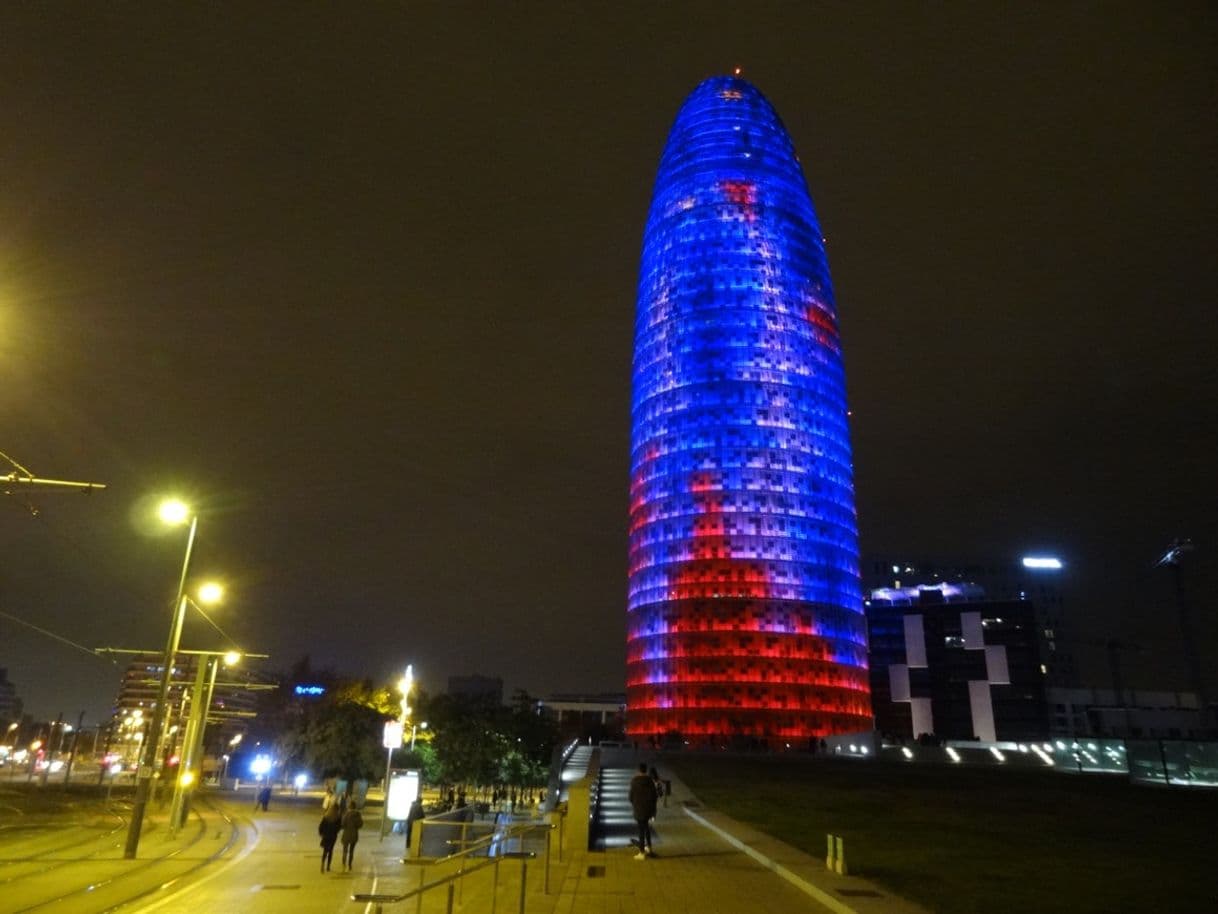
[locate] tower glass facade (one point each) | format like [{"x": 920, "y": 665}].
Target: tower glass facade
[{"x": 744, "y": 603}]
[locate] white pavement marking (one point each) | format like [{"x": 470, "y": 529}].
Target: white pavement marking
[{"x": 798, "y": 881}]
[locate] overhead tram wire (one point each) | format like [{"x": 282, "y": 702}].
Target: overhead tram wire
[
  {"x": 212, "y": 622},
  {"x": 50, "y": 634}
]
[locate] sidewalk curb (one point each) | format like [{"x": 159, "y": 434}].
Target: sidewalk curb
[{"x": 820, "y": 895}]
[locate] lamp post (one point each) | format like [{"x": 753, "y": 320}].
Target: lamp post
[
  {"x": 232, "y": 748},
  {"x": 190, "y": 770},
  {"x": 174, "y": 512},
  {"x": 394, "y": 733},
  {"x": 208, "y": 593},
  {"x": 413, "y": 730}
]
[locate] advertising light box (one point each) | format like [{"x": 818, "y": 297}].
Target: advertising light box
[{"x": 403, "y": 791}]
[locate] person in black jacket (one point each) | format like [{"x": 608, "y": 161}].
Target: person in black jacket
[
  {"x": 643, "y": 805},
  {"x": 329, "y": 827},
  {"x": 352, "y": 822}
]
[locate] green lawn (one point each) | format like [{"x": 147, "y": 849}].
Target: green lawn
[{"x": 962, "y": 841}]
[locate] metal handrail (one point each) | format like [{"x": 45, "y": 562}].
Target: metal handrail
[
  {"x": 513, "y": 832},
  {"x": 453, "y": 880},
  {"x": 384, "y": 898}
]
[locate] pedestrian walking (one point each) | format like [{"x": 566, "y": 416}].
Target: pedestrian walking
[
  {"x": 643, "y": 805},
  {"x": 330, "y": 825},
  {"x": 263, "y": 798},
  {"x": 352, "y": 823}
]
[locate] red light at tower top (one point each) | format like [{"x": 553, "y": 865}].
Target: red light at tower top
[{"x": 745, "y": 611}]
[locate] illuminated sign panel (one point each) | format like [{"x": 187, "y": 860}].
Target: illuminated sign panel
[
  {"x": 392, "y": 737},
  {"x": 1042, "y": 563},
  {"x": 744, "y": 601},
  {"x": 403, "y": 790},
  {"x": 310, "y": 690}
]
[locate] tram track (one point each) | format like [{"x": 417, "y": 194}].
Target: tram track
[
  {"x": 51, "y": 852},
  {"x": 129, "y": 882}
]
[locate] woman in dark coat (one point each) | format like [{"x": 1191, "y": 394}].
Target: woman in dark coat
[
  {"x": 329, "y": 827},
  {"x": 352, "y": 822}
]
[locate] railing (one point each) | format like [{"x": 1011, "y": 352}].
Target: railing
[
  {"x": 1177, "y": 763},
  {"x": 487, "y": 851},
  {"x": 554, "y": 786},
  {"x": 583, "y": 796}
]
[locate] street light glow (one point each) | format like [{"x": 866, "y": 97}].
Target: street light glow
[
  {"x": 405, "y": 684},
  {"x": 211, "y": 592},
  {"x": 173, "y": 511},
  {"x": 232, "y": 658}
]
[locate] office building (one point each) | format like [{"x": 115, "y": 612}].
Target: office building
[
  {"x": 1040, "y": 580},
  {"x": 947, "y": 662},
  {"x": 745, "y": 613}
]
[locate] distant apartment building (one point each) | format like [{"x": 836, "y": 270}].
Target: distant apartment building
[
  {"x": 1131, "y": 714},
  {"x": 488, "y": 689},
  {"x": 947, "y": 662},
  {"x": 10, "y": 703},
  {"x": 233, "y": 703}
]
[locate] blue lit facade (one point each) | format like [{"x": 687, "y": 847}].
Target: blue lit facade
[{"x": 744, "y": 602}]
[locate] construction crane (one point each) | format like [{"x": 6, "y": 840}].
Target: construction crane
[{"x": 1171, "y": 559}]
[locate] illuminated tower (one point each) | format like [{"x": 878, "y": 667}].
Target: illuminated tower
[{"x": 745, "y": 608}]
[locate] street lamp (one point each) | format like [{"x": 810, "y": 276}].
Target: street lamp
[
  {"x": 171, "y": 512},
  {"x": 413, "y": 729},
  {"x": 394, "y": 733},
  {"x": 232, "y": 747}
]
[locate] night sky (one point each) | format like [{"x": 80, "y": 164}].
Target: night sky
[{"x": 359, "y": 280}]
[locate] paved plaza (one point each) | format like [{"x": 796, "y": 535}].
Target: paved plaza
[
  {"x": 706, "y": 863},
  {"x": 236, "y": 859}
]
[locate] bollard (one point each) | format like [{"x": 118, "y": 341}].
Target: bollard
[{"x": 835, "y": 855}]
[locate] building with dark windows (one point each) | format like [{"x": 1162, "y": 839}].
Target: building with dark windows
[
  {"x": 1039, "y": 580},
  {"x": 592, "y": 718},
  {"x": 745, "y": 613},
  {"x": 233, "y": 700},
  {"x": 949, "y": 663},
  {"x": 1128, "y": 714}
]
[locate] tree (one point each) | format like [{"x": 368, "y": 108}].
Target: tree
[
  {"x": 480, "y": 743},
  {"x": 337, "y": 733}
]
